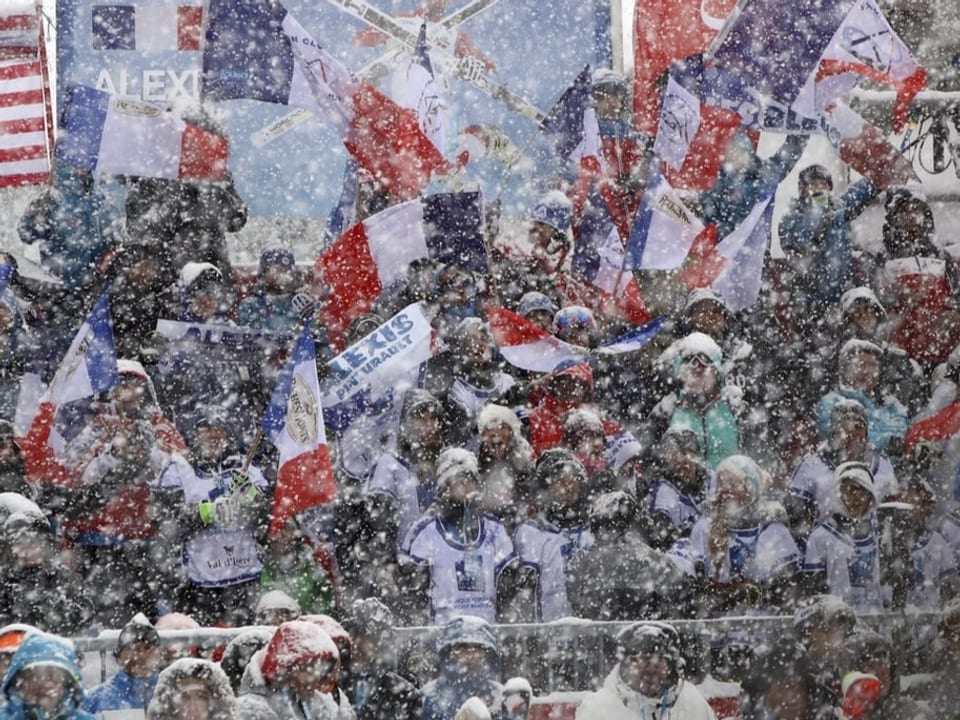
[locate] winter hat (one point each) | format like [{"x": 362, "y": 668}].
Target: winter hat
[
  {"x": 858, "y": 473},
  {"x": 579, "y": 421},
  {"x": 492, "y": 416},
  {"x": 237, "y": 653},
  {"x": 467, "y": 630},
  {"x": 652, "y": 638},
  {"x": 811, "y": 173},
  {"x": 453, "y": 462},
  {"x": 620, "y": 449},
  {"x": 607, "y": 78},
  {"x": 573, "y": 317},
  {"x": 515, "y": 698},
  {"x": 697, "y": 344},
  {"x": 534, "y": 300},
  {"x": 855, "y": 346},
  {"x": 861, "y": 693},
  {"x": 197, "y": 276},
  {"x": 823, "y": 610},
  {"x": 294, "y": 643},
  {"x": 276, "y": 255},
  {"x": 862, "y": 295},
  {"x": 745, "y": 469},
  {"x": 554, "y": 460},
  {"x": 22, "y": 526},
  {"x": 473, "y": 709},
  {"x": 369, "y": 617},
  {"x": 554, "y": 209},
  {"x": 11, "y": 636},
  {"x": 679, "y": 437},
  {"x": 138, "y": 630},
  {"x": 705, "y": 295},
  {"x": 848, "y": 408},
  {"x": 616, "y": 511},
  {"x": 341, "y": 638},
  {"x": 276, "y": 600},
  {"x": 11, "y": 503}
]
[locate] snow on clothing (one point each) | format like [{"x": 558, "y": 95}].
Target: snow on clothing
[
  {"x": 813, "y": 479},
  {"x": 545, "y": 421},
  {"x": 681, "y": 508},
  {"x": 934, "y": 563},
  {"x": 850, "y": 567},
  {"x": 886, "y": 416},
  {"x": 616, "y": 701},
  {"x": 165, "y": 704},
  {"x": 49, "y": 596},
  {"x": 463, "y": 578},
  {"x": 392, "y": 476},
  {"x": 548, "y": 549},
  {"x": 268, "y": 311},
  {"x": 444, "y": 696},
  {"x": 822, "y": 253},
  {"x": 759, "y": 553},
  {"x": 223, "y": 553},
  {"x": 262, "y": 690},
  {"x": 40, "y": 649},
  {"x": 121, "y": 692}
]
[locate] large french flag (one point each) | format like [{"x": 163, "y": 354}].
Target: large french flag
[
  {"x": 110, "y": 134},
  {"x": 808, "y": 53},
  {"x": 664, "y": 229},
  {"x": 88, "y": 369},
  {"x": 283, "y": 64},
  {"x": 666, "y": 31},
  {"x": 294, "y": 423},
  {"x": 734, "y": 266},
  {"x": 374, "y": 254}
]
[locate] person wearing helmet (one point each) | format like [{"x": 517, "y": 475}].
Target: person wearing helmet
[
  {"x": 457, "y": 559},
  {"x": 843, "y": 553},
  {"x": 43, "y": 681},
  {"x": 374, "y": 687},
  {"x": 469, "y": 661},
  {"x": 610, "y": 580},
  {"x": 648, "y": 681}
]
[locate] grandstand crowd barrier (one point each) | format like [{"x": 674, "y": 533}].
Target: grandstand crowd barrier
[{"x": 563, "y": 659}]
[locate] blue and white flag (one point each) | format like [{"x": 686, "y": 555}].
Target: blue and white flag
[
  {"x": 572, "y": 122},
  {"x": 664, "y": 229},
  {"x": 415, "y": 87},
  {"x": 90, "y": 365},
  {"x": 633, "y": 340},
  {"x": 740, "y": 279}
]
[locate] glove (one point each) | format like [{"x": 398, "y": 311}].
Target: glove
[
  {"x": 221, "y": 511},
  {"x": 243, "y": 489},
  {"x": 303, "y": 305}
]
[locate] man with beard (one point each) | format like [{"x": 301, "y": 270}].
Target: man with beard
[{"x": 469, "y": 661}]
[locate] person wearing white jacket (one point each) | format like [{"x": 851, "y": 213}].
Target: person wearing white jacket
[{"x": 648, "y": 681}]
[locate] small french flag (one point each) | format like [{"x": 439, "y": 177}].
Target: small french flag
[{"x": 147, "y": 27}]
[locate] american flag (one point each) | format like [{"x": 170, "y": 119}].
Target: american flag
[{"x": 25, "y": 114}]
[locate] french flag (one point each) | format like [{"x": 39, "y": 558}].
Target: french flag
[
  {"x": 375, "y": 253},
  {"x": 692, "y": 134},
  {"x": 664, "y": 229},
  {"x": 599, "y": 277},
  {"x": 106, "y": 133},
  {"x": 734, "y": 266},
  {"x": 285, "y": 65},
  {"x": 88, "y": 369},
  {"x": 808, "y": 53},
  {"x": 526, "y": 346},
  {"x": 147, "y": 27},
  {"x": 666, "y": 31},
  {"x": 294, "y": 423},
  {"x": 866, "y": 149}
]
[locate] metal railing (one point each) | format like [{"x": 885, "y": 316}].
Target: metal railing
[{"x": 568, "y": 654}]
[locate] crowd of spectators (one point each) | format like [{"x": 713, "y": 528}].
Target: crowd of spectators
[{"x": 741, "y": 463}]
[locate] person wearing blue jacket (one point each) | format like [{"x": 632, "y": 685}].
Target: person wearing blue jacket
[
  {"x": 815, "y": 235},
  {"x": 138, "y": 655},
  {"x": 469, "y": 667},
  {"x": 43, "y": 682}
]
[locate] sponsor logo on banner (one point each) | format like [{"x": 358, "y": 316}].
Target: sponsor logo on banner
[{"x": 302, "y": 413}]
